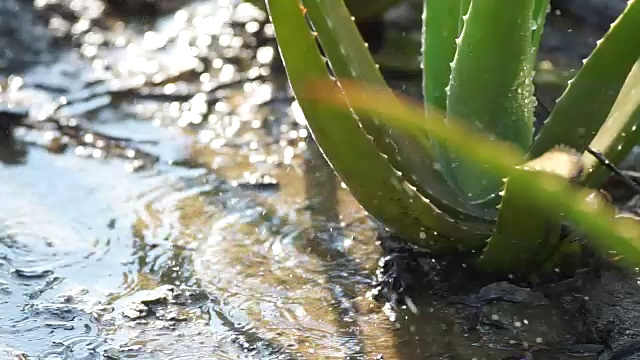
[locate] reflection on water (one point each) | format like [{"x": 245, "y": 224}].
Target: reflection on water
[{"x": 187, "y": 214}]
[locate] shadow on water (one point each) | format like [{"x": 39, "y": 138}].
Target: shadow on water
[
  {"x": 12, "y": 152},
  {"x": 161, "y": 200},
  {"x": 321, "y": 189}
]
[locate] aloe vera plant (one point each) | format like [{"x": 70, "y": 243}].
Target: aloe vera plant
[{"x": 463, "y": 172}]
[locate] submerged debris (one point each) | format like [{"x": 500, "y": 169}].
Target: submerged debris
[
  {"x": 10, "y": 118},
  {"x": 32, "y": 273},
  {"x": 503, "y": 291},
  {"x": 256, "y": 181},
  {"x": 165, "y": 302}
]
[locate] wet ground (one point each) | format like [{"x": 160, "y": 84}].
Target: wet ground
[{"x": 159, "y": 199}]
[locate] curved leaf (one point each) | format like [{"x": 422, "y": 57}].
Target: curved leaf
[
  {"x": 586, "y": 102},
  {"x": 491, "y": 86},
  {"x": 441, "y": 27},
  {"x": 619, "y": 133},
  {"x": 540, "y": 9},
  {"x": 352, "y": 154}
]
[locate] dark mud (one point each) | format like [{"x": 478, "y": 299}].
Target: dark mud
[{"x": 591, "y": 314}]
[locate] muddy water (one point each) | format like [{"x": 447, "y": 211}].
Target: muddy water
[{"x": 170, "y": 217}]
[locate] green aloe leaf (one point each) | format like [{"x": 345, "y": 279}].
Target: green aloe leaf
[
  {"x": 441, "y": 27},
  {"x": 491, "y": 86},
  {"x": 540, "y": 9},
  {"x": 596, "y": 199},
  {"x": 587, "y": 100},
  {"x": 342, "y": 43},
  {"x": 523, "y": 240},
  {"x": 350, "y": 59},
  {"x": 366, "y": 172},
  {"x": 545, "y": 191},
  {"x": 619, "y": 133},
  {"x": 521, "y": 235}
]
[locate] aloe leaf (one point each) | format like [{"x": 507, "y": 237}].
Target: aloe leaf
[
  {"x": 588, "y": 98},
  {"x": 523, "y": 240},
  {"x": 520, "y": 235},
  {"x": 350, "y": 59},
  {"x": 491, "y": 85},
  {"x": 464, "y": 10},
  {"x": 565, "y": 253},
  {"x": 545, "y": 191},
  {"x": 352, "y": 154},
  {"x": 342, "y": 43},
  {"x": 619, "y": 133},
  {"x": 540, "y": 9},
  {"x": 596, "y": 199},
  {"x": 441, "y": 26},
  {"x": 567, "y": 258}
]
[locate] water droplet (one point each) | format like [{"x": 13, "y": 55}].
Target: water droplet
[{"x": 534, "y": 25}]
